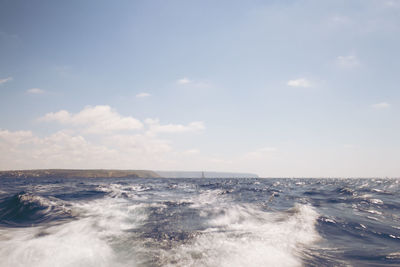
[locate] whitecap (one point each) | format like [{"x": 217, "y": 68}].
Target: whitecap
[
  {"x": 376, "y": 201},
  {"x": 87, "y": 241},
  {"x": 247, "y": 236}
]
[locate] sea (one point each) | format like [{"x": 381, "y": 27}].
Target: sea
[{"x": 199, "y": 222}]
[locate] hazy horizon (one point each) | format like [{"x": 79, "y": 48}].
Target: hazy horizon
[
  {"x": 248, "y": 174},
  {"x": 276, "y": 88}
]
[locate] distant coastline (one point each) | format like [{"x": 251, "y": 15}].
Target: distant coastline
[
  {"x": 110, "y": 173},
  {"x": 207, "y": 174},
  {"x": 72, "y": 173}
]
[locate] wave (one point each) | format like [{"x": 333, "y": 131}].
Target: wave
[
  {"x": 99, "y": 236},
  {"x": 244, "y": 235},
  {"x": 25, "y": 209},
  {"x": 201, "y": 223},
  {"x": 124, "y": 191}
]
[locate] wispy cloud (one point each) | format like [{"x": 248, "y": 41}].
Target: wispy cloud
[
  {"x": 143, "y": 95},
  {"x": 188, "y": 82},
  {"x": 36, "y": 91},
  {"x": 156, "y": 127},
  {"x": 381, "y": 105},
  {"x": 301, "y": 82},
  {"x": 8, "y": 79},
  {"x": 184, "y": 81},
  {"x": 347, "y": 62}
]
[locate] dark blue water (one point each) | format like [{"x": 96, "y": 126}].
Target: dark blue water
[{"x": 199, "y": 222}]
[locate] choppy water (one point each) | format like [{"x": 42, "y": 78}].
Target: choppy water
[{"x": 199, "y": 222}]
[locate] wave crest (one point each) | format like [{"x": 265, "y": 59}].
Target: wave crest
[{"x": 25, "y": 209}]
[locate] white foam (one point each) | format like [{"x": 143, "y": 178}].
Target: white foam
[
  {"x": 118, "y": 190},
  {"x": 394, "y": 255},
  {"x": 236, "y": 235},
  {"x": 72, "y": 244},
  {"x": 376, "y": 201},
  {"x": 247, "y": 236},
  {"x": 330, "y": 220},
  {"x": 374, "y": 212},
  {"x": 87, "y": 241},
  {"x": 208, "y": 198}
]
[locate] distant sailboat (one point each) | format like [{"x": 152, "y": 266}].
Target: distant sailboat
[{"x": 202, "y": 175}]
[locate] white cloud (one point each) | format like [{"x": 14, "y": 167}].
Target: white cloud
[
  {"x": 8, "y": 79},
  {"x": 198, "y": 84},
  {"x": 16, "y": 137},
  {"x": 184, "y": 81},
  {"x": 35, "y": 91},
  {"x": 58, "y": 150},
  {"x": 95, "y": 120},
  {"x": 143, "y": 95},
  {"x": 347, "y": 62},
  {"x": 302, "y": 82},
  {"x": 103, "y": 119},
  {"x": 76, "y": 147},
  {"x": 156, "y": 127},
  {"x": 381, "y": 105},
  {"x": 65, "y": 150}
]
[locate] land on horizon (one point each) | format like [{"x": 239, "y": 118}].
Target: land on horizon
[{"x": 115, "y": 173}]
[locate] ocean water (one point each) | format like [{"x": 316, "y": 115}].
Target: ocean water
[{"x": 199, "y": 222}]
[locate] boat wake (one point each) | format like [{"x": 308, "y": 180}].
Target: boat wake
[{"x": 158, "y": 222}]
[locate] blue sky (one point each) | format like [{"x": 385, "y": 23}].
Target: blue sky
[{"x": 279, "y": 88}]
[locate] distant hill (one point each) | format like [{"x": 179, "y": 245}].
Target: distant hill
[
  {"x": 65, "y": 173},
  {"x": 71, "y": 173},
  {"x": 198, "y": 174}
]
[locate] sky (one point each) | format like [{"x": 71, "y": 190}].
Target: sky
[{"x": 303, "y": 88}]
